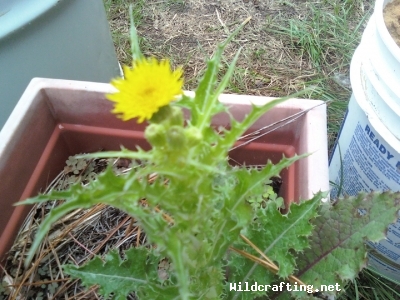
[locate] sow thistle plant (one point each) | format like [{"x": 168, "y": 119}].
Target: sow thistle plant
[{"x": 215, "y": 224}]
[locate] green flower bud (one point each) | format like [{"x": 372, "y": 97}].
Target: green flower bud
[
  {"x": 162, "y": 114},
  {"x": 193, "y": 135},
  {"x": 176, "y": 137},
  {"x": 176, "y": 116},
  {"x": 155, "y": 134}
]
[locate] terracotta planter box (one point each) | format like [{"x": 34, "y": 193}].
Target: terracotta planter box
[{"x": 57, "y": 118}]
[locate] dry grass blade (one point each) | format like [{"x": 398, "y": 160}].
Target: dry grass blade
[
  {"x": 274, "y": 126},
  {"x": 75, "y": 238},
  {"x": 265, "y": 262}
]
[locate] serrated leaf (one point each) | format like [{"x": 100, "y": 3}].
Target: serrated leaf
[
  {"x": 238, "y": 266},
  {"x": 139, "y": 154},
  {"x": 249, "y": 182},
  {"x": 337, "y": 250},
  {"x": 116, "y": 276},
  {"x": 276, "y": 235},
  {"x": 135, "y": 48},
  {"x": 239, "y": 128},
  {"x": 108, "y": 189},
  {"x": 160, "y": 293},
  {"x": 205, "y": 97}
]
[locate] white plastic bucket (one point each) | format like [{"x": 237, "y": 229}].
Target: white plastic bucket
[{"x": 367, "y": 153}]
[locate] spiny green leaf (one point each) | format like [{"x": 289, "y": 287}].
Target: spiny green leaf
[
  {"x": 157, "y": 292},
  {"x": 204, "y": 90},
  {"x": 135, "y": 48},
  {"x": 238, "y": 129},
  {"x": 107, "y": 189},
  {"x": 212, "y": 105},
  {"x": 337, "y": 251},
  {"x": 238, "y": 266},
  {"x": 119, "y": 277},
  {"x": 138, "y": 154},
  {"x": 251, "y": 181},
  {"x": 248, "y": 183},
  {"x": 275, "y": 234},
  {"x": 225, "y": 80},
  {"x": 206, "y": 98}
]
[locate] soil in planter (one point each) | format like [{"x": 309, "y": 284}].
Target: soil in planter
[
  {"x": 76, "y": 238},
  {"x": 391, "y": 15}
]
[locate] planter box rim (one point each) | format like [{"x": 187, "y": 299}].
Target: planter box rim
[{"x": 48, "y": 107}]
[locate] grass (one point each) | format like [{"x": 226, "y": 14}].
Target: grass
[
  {"x": 287, "y": 46},
  {"x": 371, "y": 286},
  {"x": 327, "y": 37}
]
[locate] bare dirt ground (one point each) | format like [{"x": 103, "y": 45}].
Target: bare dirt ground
[
  {"x": 189, "y": 33},
  {"x": 391, "y": 15}
]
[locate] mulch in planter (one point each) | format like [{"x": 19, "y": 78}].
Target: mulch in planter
[{"x": 76, "y": 239}]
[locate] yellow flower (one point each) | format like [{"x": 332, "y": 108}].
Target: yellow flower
[{"x": 147, "y": 87}]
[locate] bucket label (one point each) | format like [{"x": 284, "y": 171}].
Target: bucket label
[
  {"x": 383, "y": 267},
  {"x": 369, "y": 164},
  {"x": 376, "y": 142},
  {"x": 380, "y": 155}
]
